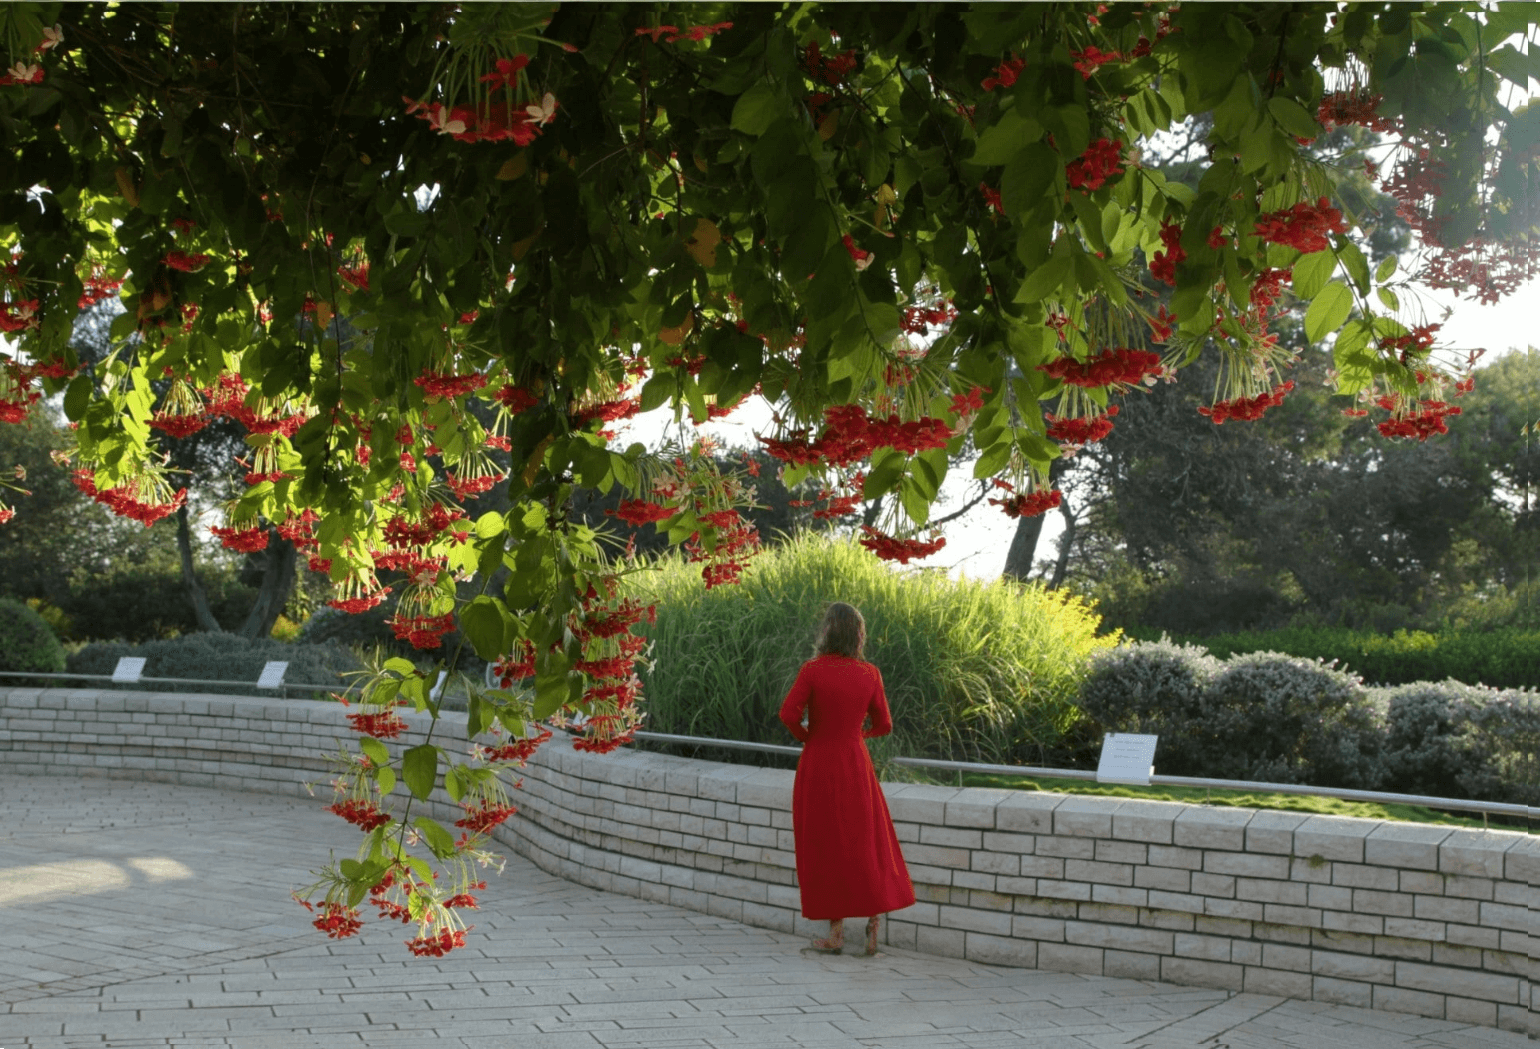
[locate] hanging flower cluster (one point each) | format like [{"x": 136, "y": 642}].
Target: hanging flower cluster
[
  {"x": 850, "y": 436},
  {"x": 610, "y": 652},
  {"x": 145, "y": 497},
  {"x": 1247, "y": 408},
  {"x": 1122, "y": 367},
  {"x": 1076, "y": 433},
  {"x": 1357, "y": 106},
  {"x": 1101, "y": 161},
  {"x": 1163, "y": 265},
  {"x": 516, "y": 116},
  {"x": 1306, "y": 227},
  {"x": 22, "y": 73},
  {"x": 1033, "y": 503},
  {"x": 1005, "y": 74},
  {"x": 894, "y": 548},
  {"x": 1091, "y": 59}
]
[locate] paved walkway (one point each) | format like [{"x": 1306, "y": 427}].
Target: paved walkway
[{"x": 143, "y": 915}]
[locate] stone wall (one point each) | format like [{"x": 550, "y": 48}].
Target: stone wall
[{"x": 1404, "y": 917}]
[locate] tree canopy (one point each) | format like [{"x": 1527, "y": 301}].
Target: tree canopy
[{"x": 420, "y": 250}]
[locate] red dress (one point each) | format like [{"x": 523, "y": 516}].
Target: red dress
[{"x": 848, "y": 859}]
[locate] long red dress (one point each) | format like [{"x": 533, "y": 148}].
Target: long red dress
[{"x": 848, "y": 859}]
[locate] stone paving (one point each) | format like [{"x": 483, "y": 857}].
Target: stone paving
[{"x": 140, "y": 914}]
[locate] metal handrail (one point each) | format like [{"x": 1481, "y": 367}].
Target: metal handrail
[
  {"x": 1494, "y": 808},
  {"x": 281, "y": 690}
]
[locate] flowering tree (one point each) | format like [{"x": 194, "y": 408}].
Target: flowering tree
[{"x": 345, "y": 226}]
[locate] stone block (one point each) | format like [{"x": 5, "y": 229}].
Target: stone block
[
  {"x": 1268, "y": 890},
  {"x": 1408, "y": 846},
  {"x": 1099, "y": 873},
  {"x": 1405, "y": 1000},
  {"x": 1337, "y": 838},
  {"x": 1282, "y": 914},
  {"x": 1069, "y": 958},
  {"x": 1199, "y": 973},
  {"x": 1027, "y": 812},
  {"x": 1330, "y": 898},
  {"x": 921, "y": 803},
  {"x": 1370, "y": 901},
  {"x": 997, "y": 863},
  {"x": 1203, "y": 948},
  {"x": 1063, "y": 890},
  {"x": 953, "y": 837},
  {"x": 1245, "y": 864},
  {"x": 1272, "y": 832},
  {"x": 1470, "y": 1011},
  {"x": 1261, "y": 980},
  {"x": 1066, "y": 848},
  {"x": 1220, "y": 886},
  {"x": 766, "y": 788},
  {"x": 1119, "y": 895},
  {"x": 1342, "y": 992},
  {"x": 948, "y": 943},
  {"x": 1146, "y": 821},
  {"x": 1469, "y": 888},
  {"x": 999, "y": 950},
  {"x": 1475, "y": 853},
  {"x": 1364, "y": 968},
  {"x": 1019, "y": 844},
  {"x": 1185, "y": 903},
  {"x": 975, "y": 808},
  {"x": 1175, "y": 856},
  {"x": 1084, "y": 817},
  {"x": 1200, "y": 827},
  {"x": 1240, "y": 910},
  {"x": 996, "y": 923},
  {"x": 1164, "y": 878},
  {"x": 1119, "y": 937}
]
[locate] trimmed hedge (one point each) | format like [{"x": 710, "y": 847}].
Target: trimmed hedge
[
  {"x": 220, "y": 657},
  {"x": 27, "y": 642},
  {"x": 1503, "y": 658}
]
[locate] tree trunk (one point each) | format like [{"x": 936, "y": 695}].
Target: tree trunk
[
  {"x": 1066, "y": 542},
  {"x": 195, "y": 594},
  {"x": 1018, "y": 559},
  {"x": 277, "y": 584}
]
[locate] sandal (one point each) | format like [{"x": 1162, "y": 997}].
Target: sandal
[
  {"x": 835, "y": 942},
  {"x": 872, "y": 925}
]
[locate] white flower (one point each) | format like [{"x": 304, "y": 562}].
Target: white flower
[
  {"x": 52, "y": 38},
  {"x": 544, "y": 112}
]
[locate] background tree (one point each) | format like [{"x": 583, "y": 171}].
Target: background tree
[{"x": 700, "y": 201}]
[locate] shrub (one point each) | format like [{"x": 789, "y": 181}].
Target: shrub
[
  {"x": 220, "y": 657},
  {"x": 367, "y": 631},
  {"x": 975, "y": 671},
  {"x": 1154, "y": 687},
  {"x": 27, "y": 643},
  {"x": 148, "y": 601},
  {"x": 1277, "y": 718},
  {"x": 1505, "y": 733},
  {"x": 1426, "y": 750}
]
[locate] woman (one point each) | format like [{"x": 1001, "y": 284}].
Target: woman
[{"x": 848, "y": 860}]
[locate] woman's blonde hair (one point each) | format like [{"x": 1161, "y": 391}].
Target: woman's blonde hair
[{"x": 843, "y": 632}]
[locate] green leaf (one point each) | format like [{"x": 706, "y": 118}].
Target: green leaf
[
  {"x": 1046, "y": 279},
  {"x": 400, "y": 666},
  {"x": 375, "y": 751},
  {"x": 658, "y": 391},
  {"x": 454, "y": 783},
  {"x": 1312, "y": 272},
  {"x": 1328, "y": 311},
  {"x": 885, "y": 471},
  {"x": 1386, "y": 267},
  {"x": 439, "y": 841},
  {"x": 482, "y": 622},
  {"x": 419, "y": 769},
  {"x": 993, "y": 460},
  {"x": 998, "y": 144},
  {"x": 756, "y": 109},
  {"x": 1293, "y": 117},
  {"x": 915, "y": 504},
  {"x": 77, "y": 397},
  {"x": 1357, "y": 265},
  {"x": 386, "y": 778},
  {"x": 1389, "y": 298}
]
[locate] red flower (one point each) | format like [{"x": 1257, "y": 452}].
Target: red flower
[
  {"x": 246, "y": 540},
  {"x": 1354, "y": 107},
  {"x": 436, "y": 946},
  {"x": 362, "y": 814},
  {"x": 1088, "y": 60},
  {"x": 1421, "y": 424},
  {"x": 507, "y": 74},
  {"x": 422, "y": 631},
  {"x": 447, "y": 386},
  {"x": 1005, "y": 74},
  {"x": 1162, "y": 325},
  {"x": 1304, "y": 226},
  {"x": 970, "y": 402},
  {"x": 891, "y": 548},
  {"x": 1120, "y": 367},
  {"x": 336, "y": 921},
  {"x": 1030, "y": 504},
  {"x": 187, "y": 263},
  {"x": 607, "y": 411},
  {"x": 520, "y": 750},
  {"x": 355, "y": 276},
  {"x": 861, "y": 257},
  {"x": 641, "y": 511},
  {"x": 991, "y": 197},
  {"x": 1163, "y": 265},
  {"x": 483, "y": 818},
  {"x": 1082, "y": 431},
  {"x": 18, "y": 316},
  {"x": 383, "y": 725},
  {"x": 1247, "y": 409},
  {"x": 1101, "y": 161}
]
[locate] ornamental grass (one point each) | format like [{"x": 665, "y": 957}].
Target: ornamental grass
[{"x": 974, "y": 671}]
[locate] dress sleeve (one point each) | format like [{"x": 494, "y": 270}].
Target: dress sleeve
[
  {"x": 795, "y": 704},
  {"x": 877, "y": 710}
]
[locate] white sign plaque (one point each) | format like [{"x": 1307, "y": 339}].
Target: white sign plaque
[
  {"x": 128, "y": 671},
  {"x": 272, "y": 674},
  {"x": 1127, "y": 758}
]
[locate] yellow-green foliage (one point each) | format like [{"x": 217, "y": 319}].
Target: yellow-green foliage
[{"x": 974, "y": 671}]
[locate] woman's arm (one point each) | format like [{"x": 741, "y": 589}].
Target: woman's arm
[
  {"x": 795, "y": 704},
  {"x": 877, "y": 710}
]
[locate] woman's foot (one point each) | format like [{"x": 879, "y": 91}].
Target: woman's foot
[
  {"x": 835, "y": 942},
  {"x": 872, "y": 926}
]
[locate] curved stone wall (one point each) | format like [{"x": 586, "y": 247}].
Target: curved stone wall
[{"x": 1404, "y": 917}]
